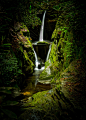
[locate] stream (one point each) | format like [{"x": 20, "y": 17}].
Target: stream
[{"x": 34, "y": 85}]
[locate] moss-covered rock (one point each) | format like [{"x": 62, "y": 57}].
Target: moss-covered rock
[
  {"x": 42, "y": 42},
  {"x": 63, "y": 101},
  {"x": 61, "y": 51},
  {"x": 22, "y": 47}
]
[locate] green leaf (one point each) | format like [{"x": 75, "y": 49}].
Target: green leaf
[
  {"x": 9, "y": 113},
  {"x": 6, "y": 91},
  {"x": 6, "y": 45},
  {"x": 7, "y": 103},
  {"x": 68, "y": 55}
]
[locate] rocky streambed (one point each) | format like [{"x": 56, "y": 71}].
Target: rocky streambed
[{"x": 66, "y": 101}]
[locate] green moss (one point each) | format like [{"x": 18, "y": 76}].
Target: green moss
[
  {"x": 42, "y": 42},
  {"x": 38, "y": 99},
  {"x": 54, "y": 35},
  {"x": 24, "y": 30},
  {"x": 53, "y": 81},
  {"x": 64, "y": 46},
  {"x": 44, "y": 73},
  {"x": 26, "y": 55},
  {"x": 47, "y": 63},
  {"x": 46, "y": 77},
  {"x": 28, "y": 64},
  {"x": 21, "y": 49},
  {"x": 21, "y": 32},
  {"x": 53, "y": 54},
  {"x": 28, "y": 42},
  {"x": 61, "y": 42},
  {"x": 23, "y": 26}
]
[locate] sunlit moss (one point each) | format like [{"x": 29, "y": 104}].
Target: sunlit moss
[
  {"x": 42, "y": 42},
  {"x": 28, "y": 41},
  {"x": 24, "y": 28},
  {"x": 53, "y": 81}
]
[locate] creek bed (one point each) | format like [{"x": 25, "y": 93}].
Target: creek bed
[{"x": 34, "y": 85}]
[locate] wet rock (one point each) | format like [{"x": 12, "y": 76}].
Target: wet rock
[
  {"x": 39, "y": 66},
  {"x": 30, "y": 99},
  {"x": 24, "y": 51},
  {"x": 45, "y": 81},
  {"x": 41, "y": 50},
  {"x": 63, "y": 105},
  {"x": 32, "y": 114},
  {"x": 41, "y": 86},
  {"x": 56, "y": 96}
]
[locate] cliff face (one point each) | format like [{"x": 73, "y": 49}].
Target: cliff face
[
  {"x": 65, "y": 68},
  {"x": 61, "y": 50},
  {"x": 16, "y": 55},
  {"x": 24, "y": 52},
  {"x": 67, "y": 45}
]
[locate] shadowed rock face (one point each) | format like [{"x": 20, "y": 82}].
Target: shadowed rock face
[
  {"x": 22, "y": 47},
  {"x": 41, "y": 51}
]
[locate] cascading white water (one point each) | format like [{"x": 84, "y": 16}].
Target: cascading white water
[
  {"x": 36, "y": 59},
  {"x": 42, "y": 28},
  {"x": 48, "y": 52},
  {"x": 37, "y": 62},
  {"x": 40, "y": 39}
]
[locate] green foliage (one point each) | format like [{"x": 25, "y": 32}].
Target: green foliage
[
  {"x": 53, "y": 81},
  {"x": 47, "y": 64},
  {"x": 24, "y": 11},
  {"x": 32, "y": 20},
  {"x": 71, "y": 18},
  {"x": 68, "y": 49},
  {"x": 43, "y": 74},
  {"x": 58, "y": 86},
  {"x": 28, "y": 42},
  {"x": 8, "y": 67},
  {"x": 9, "y": 103},
  {"x": 6, "y": 45},
  {"x": 23, "y": 26},
  {"x": 53, "y": 56},
  {"x": 71, "y": 38}
]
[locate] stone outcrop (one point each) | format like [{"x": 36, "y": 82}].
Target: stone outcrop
[
  {"x": 22, "y": 47},
  {"x": 65, "y": 101}
]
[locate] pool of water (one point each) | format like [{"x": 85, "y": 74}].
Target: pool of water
[{"x": 33, "y": 85}]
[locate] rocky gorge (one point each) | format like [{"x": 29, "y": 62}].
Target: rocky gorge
[{"x": 42, "y": 79}]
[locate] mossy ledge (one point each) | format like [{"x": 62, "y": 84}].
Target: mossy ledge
[{"x": 42, "y": 42}]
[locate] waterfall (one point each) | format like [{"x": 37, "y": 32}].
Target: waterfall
[
  {"x": 36, "y": 59},
  {"x": 37, "y": 63},
  {"x": 48, "y": 52},
  {"x": 42, "y": 28}
]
